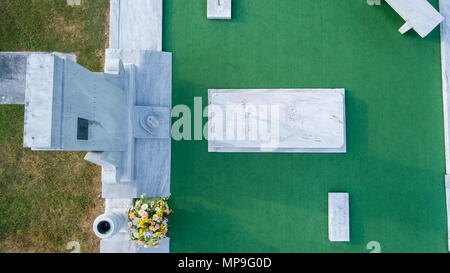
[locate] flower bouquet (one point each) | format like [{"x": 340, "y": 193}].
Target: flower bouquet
[{"x": 147, "y": 221}]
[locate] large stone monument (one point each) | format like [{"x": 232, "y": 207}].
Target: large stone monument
[{"x": 122, "y": 117}]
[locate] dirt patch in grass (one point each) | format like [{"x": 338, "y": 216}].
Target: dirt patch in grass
[{"x": 48, "y": 199}]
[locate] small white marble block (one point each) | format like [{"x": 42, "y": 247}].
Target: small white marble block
[
  {"x": 338, "y": 217},
  {"x": 419, "y": 15},
  {"x": 219, "y": 9}
]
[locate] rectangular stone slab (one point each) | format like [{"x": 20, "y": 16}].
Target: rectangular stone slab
[
  {"x": 121, "y": 243},
  {"x": 219, "y": 9},
  {"x": 338, "y": 217},
  {"x": 136, "y": 24},
  {"x": 310, "y": 120},
  {"x": 418, "y": 14}
]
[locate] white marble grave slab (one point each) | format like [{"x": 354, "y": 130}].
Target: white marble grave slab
[
  {"x": 247, "y": 120},
  {"x": 136, "y": 24},
  {"x": 219, "y": 9},
  {"x": 418, "y": 14},
  {"x": 338, "y": 217}
]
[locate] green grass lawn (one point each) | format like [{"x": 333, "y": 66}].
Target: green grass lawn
[
  {"x": 394, "y": 168},
  {"x": 48, "y": 199}
]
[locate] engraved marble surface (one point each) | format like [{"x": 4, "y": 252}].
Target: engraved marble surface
[
  {"x": 338, "y": 217},
  {"x": 310, "y": 120},
  {"x": 136, "y": 24},
  {"x": 219, "y": 9},
  {"x": 418, "y": 14}
]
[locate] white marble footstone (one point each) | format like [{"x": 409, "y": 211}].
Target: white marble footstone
[
  {"x": 419, "y": 15},
  {"x": 136, "y": 24},
  {"x": 338, "y": 217},
  {"x": 219, "y": 9},
  {"x": 310, "y": 120}
]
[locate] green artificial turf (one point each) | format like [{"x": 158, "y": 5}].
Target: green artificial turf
[{"x": 394, "y": 168}]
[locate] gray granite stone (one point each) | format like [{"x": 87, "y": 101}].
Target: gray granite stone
[
  {"x": 309, "y": 120},
  {"x": 418, "y": 14},
  {"x": 219, "y": 9},
  {"x": 338, "y": 217},
  {"x": 136, "y": 24}
]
